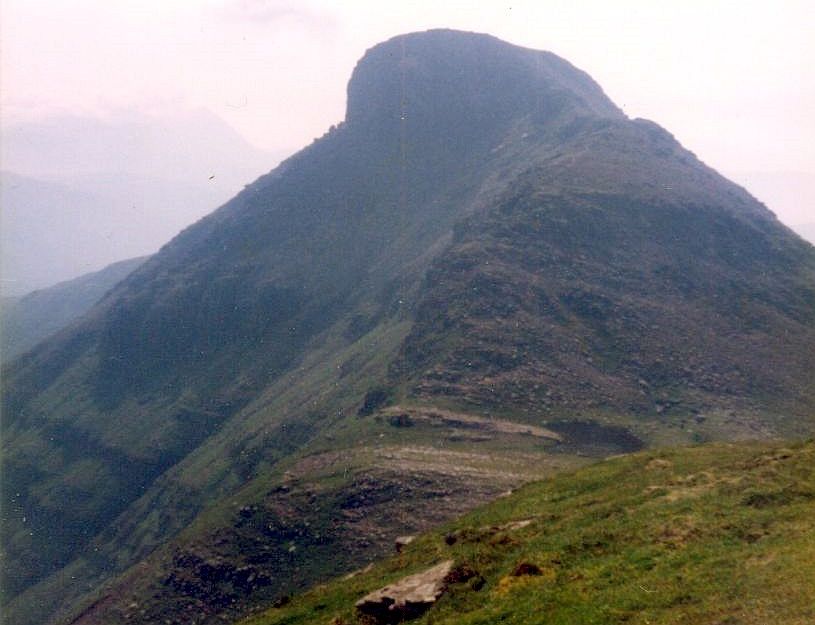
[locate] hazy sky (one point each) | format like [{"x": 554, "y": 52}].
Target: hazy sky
[{"x": 734, "y": 81}]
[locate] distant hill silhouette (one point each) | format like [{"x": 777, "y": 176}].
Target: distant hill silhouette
[{"x": 79, "y": 193}]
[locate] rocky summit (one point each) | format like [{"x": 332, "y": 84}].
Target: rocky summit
[{"x": 485, "y": 274}]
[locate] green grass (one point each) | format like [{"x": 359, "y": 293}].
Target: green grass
[{"x": 715, "y": 534}]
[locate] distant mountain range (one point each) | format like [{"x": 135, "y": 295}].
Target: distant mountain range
[
  {"x": 485, "y": 274},
  {"x": 79, "y": 193}
]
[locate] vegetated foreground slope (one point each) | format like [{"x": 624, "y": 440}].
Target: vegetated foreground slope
[
  {"x": 486, "y": 242},
  {"x": 709, "y": 534},
  {"x": 41, "y": 313}
]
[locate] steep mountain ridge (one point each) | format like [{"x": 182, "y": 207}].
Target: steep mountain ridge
[{"x": 486, "y": 230}]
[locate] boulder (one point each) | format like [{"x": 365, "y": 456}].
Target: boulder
[{"x": 406, "y": 599}]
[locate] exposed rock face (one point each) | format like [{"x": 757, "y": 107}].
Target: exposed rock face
[
  {"x": 463, "y": 85},
  {"x": 408, "y": 598}
]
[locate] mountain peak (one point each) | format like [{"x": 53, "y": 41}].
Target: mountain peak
[{"x": 430, "y": 79}]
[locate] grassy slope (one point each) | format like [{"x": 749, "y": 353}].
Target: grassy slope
[
  {"x": 709, "y": 534},
  {"x": 339, "y": 502},
  {"x": 278, "y": 420}
]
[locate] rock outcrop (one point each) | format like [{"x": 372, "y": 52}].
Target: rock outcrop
[{"x": 406, "y": 599}]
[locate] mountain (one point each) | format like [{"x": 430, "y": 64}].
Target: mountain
[
  {"x": 691, "y": 535},
  {"x": 30, "y": 319},
  {"x": 81, "y": 192},
  {"x": 485, "y": 274}
]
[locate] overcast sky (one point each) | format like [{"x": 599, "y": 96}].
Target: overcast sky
[{"x": 733, "y": 81}]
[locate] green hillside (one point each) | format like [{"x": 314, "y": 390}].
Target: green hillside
[{"x": 714, "y": 534}]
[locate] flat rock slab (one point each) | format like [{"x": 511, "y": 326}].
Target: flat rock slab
[
  {"x": 406, "y": 599},
  {"x": 462, "y": 420}
]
